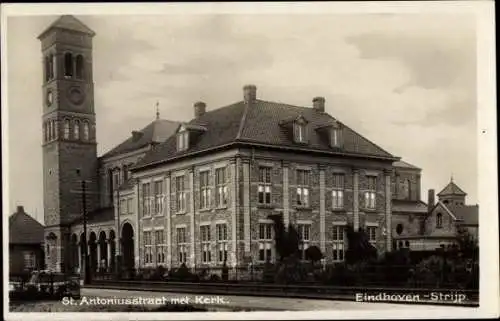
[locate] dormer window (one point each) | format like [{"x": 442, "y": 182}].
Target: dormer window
[
  {"x": 182, "y": 140},
  {"x": 300, "y": 131},
  {"x": 336, "y": 136}
]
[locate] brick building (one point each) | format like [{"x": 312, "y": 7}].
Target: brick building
[{"x": 201, "y": 191}]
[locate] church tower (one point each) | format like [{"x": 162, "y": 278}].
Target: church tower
[{"x": 69, "y": 135}]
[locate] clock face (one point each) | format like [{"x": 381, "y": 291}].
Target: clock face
[
  {"x": 50, "y": 98},
  {"x": 76, "y": 95}
]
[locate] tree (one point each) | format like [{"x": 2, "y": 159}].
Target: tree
[
  {"x": 287, "y": 243},
  {"x": 467, "y": 244},
  {"x": 358, "y": 246},
  {"x": 313, "y": 254}
]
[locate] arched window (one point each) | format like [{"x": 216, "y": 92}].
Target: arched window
[
  {"x": 53, "y": 64},
  {"x": 49, "y": 130},
  {"x": 53, "y": 129},
  {"x": 66, "y": 129},
  {"x": 85, "y": 130},
  {"x": 439, "y": 220},
  {"x": 399, "y": 228},
  {"x": 56, "y": 129},
  {"x": 68, "y": 65},
  {"x": 79, "y": 67},
  {"x": 76, "y": 129}
]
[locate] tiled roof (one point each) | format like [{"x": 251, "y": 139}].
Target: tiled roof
[
  {"x": 405, "y": 206},
  {"x": 69, "y": 22},
  {"x": 100, "y": 215},
  {"x": 156, "y": 132},
  {"x": 260, "y": 123},
  {"x": 451, "y": 189},
  {"x": 402, "y": 164},
  {"x": 24, "y": 229},
  {"x": 468, "y": 214}
]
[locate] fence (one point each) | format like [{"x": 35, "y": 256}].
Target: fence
[{"x": 407, "y": 276}]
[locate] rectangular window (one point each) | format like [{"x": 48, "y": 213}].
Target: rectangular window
[
  {"x": 265, "y": 242},
  {"x": 206, "y": 238},
  {"x": 221, "y": 234},
  {"x": 181, "y": 245},
  {"x": 336, "y": 137},
  {"x": 338, "y": 243},
  {"x": 158, "y": 188},
  {"x": 303, "y": 187},
  {"x": 161, "y": 247},
  {"x": 116, "y": 180},
  {"x": 123, "y": 206},
  {"x": 304, "y": 231},
  {"x": 221, "y": 192},
  {"x": 182, "y": 141},
  {"x": 300, "y": 133},
  {"x": 370, "y": 193},
  {"x": 146, "y": 208},
  {"x": 372, "y": 234},
  {"x": 148, "y": 248},
  {"x": 180, "y": 194},
  {"x": 264, "y": 188},
  {"x": 204, "y": 190},
  {"x": 338, "y": 191}
]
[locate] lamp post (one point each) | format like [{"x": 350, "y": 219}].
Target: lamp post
[{"x": 86, "y": 270}]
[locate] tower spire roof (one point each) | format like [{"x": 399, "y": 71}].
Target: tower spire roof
[
  {"x": 452, "y": 189},
  {"x": 68, "y": 22},
  {"x": 157, "y": 110}
]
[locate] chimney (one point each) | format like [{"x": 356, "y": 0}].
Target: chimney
[
  {"x": 199, "y": 109},
  {"x": 249, "y": 93},
  {"x": 430, "y": 200},
  {"x": 136, "y": 135},
  {"x": 319, "y": 104},
  {"x": 20, "y": 209}
]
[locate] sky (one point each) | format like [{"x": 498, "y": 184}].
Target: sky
[{"x": 405, "y": 81}]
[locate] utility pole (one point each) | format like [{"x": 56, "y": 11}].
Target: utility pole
[{"x": 86, "y": 269}]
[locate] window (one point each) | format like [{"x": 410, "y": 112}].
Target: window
[
  {"x": 116, "y": 179},
  {"x": 86, "y": 130},
  {"x": 370, "y": 192},
  {"x": 49, "y": 130},
  {"x": 182, "y": 140},
  {"x": 180, "y": 193},
  {"x": 66, "y": 129},
  {"x": 54, "y": 129},
  {"x": 338, "y": 243},
  {"x": 47, "y": 68},
  {"x": 439, "y": 220},
  {"x": 220, "y": 187},
  {"x": 161, "y": 247},
  {"x": 204, "y": 190},
  {"x": 405, "y": 189},
  {"x": 304, "y": 231},
  {"x": 221, "y": 234},
  {"x": 300, "y": 133},
  {"x": 399, "y": 228},
  {"x": 29, "y": 260},
  {"x": 76, "y": 129},
  {"x": 303, "y": 187},
  {"x": 158, "y": 189},
  {"x": 148, "y": 248},
  {"x": 372, "y": 234},
  {"x": 264, "y": 188},
  {"x": 181, "y": 244},
  {"x": 68, "y": 65},
  {"x": 146, "y": 211},
  {"x": 125, "y": 173},
  {"x": 45, "y": 138},
  {"x": 79, "y": 67},
  {"x": 336, "y": 137},
  {"x": 265, "y": 242},
  {"x": 338, "y": 191},
  {"x": 205, "y": 243}
]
